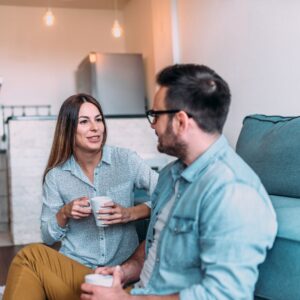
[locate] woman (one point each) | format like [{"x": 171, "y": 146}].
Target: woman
[{"x": 80, "y": 167}]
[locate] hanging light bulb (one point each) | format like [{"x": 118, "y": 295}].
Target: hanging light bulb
[
  {"x": 93, "y": 57},
  {"x": 49, "y": 18},
  {"x": 116, "y": 30}
]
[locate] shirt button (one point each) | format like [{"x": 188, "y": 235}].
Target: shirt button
[
  {"x": 102, "y": 239},
  {"x": 102, "y": 255},
  {"x": 176, "y": 230},
  {"x": 178, "y": 195},
  {"x": 157, "y": 259}
]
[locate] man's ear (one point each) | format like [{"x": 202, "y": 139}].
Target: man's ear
[{"x": 180, "y": 122}]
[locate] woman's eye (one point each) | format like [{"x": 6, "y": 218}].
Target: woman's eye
[
  {"x": 83, "y": 122},
  {"x": 99, "y": 120}
]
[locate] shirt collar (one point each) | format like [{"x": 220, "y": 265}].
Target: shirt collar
[
  {"x": 72, "y": 165},
  {"x": 189, "y": 173}
]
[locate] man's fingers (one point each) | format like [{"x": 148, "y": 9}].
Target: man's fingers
[
  {"x": 85, "y": 297},
  {"x": 104, "y": 270},
  {"x": 117, "y": 277},
  {"x": 87, "y": 288}
]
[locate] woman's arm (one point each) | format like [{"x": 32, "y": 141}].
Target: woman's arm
[
  {"x": 76, "y": 209},
  {"x": 52, "y": 202},
  {"x": 56, "y": 214},
  {"x": 115, "y": 213}
]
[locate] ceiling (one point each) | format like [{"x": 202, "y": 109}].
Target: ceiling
[{"x": 84, "y": 4}]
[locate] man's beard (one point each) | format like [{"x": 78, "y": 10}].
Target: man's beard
[{"x": 168, "y": 143}]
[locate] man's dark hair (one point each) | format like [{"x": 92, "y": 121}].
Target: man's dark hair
[{"x": 199, "y": 91}]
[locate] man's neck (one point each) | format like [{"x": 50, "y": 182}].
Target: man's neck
[{"x": 198, "y": 145}]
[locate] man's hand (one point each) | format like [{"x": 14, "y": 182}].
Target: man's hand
[
  {"x": 94, "y": 292},
  {"x": 110, "y": 271}
]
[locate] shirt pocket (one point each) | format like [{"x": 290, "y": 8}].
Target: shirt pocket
[
  {"x": 181, "y": 243},
  {"x": 122, "y": 194}
]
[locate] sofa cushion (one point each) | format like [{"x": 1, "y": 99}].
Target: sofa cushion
[
  {"x": 288, "y": 217},
  {"x": 279, "y": 275},
  {"x": 271, "y": 146}
]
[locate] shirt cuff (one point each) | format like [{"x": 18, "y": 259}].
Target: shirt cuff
[{"x": 55, "y": 231}]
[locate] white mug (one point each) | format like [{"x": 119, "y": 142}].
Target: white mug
[
  {"x": 99, "y": 279},
  {"x": 97, "y": 203}
]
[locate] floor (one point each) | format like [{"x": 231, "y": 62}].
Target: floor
[
  {"x": 5, "y": 236},
  {"x": 7, "y": 253}
]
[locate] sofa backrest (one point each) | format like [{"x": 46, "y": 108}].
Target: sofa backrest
[{"x": 271, "y": 146}]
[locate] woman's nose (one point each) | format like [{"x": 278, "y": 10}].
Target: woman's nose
[{"x": 94, "y": 126}]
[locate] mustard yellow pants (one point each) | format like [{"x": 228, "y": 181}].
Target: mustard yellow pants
[{"x": 39, "y": 272}]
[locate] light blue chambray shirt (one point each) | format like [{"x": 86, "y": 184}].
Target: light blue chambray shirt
[
  {"x": 218, "y": 230},
  {"x": 119, "y": 171}
]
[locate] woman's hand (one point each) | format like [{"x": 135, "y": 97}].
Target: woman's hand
[
  {"x": 76, "y": 209},
  {"x": 113, "y": 213}
]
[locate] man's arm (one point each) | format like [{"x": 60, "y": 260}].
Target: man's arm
[
  {"x": 127, "y": 273},
  {"x": 94, "y": 292},
  {"x": 133, "y": 266},
  {"x": 130, "y": 269}
]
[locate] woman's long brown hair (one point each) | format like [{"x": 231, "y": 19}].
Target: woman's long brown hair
[{"x": 64, "y": 135}]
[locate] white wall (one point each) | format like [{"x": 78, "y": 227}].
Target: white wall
[
  {"x": 162, "y": 34},
  {"x": 38, "y": 63},
  {"x": 148, "y": 31},
  {"x": 139, "y": 37},
  {"x": 254, "y": 45}
]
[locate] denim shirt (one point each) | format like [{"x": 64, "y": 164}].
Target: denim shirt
[
  {"x": 218, "y": 231},
  {"x": 116, "y": 176}
]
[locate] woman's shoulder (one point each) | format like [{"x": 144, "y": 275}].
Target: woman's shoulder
[
  {"x": 57, "y": 171},
  {"x": 115, "y": 151},
  {"x": 123, "y": 155}
]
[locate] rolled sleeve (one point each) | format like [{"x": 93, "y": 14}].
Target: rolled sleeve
[
  {"x": 145, "y": 177},
  {"x": 52, "y": 202}
]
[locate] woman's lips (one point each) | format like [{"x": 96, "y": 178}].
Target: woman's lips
[{"x": 94, "y": 139}]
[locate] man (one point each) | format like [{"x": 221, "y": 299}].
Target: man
[{"x": 212, "y": 220}]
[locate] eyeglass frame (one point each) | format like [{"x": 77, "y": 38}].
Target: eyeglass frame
[{"x": 156, "y": 113}]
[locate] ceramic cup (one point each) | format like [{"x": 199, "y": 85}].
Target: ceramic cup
[
  {"x": 99, "y": 279},
  {"x": 97, "y": 203}
]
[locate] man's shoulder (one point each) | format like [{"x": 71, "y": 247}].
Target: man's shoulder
[{"x": 231, "y": 167}]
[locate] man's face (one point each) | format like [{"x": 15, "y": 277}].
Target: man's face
[{"x": 168, "y": 141}]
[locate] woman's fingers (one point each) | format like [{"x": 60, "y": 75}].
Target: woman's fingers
[
  {"x": 109, "y": 204},
  {"x": 79, "y": 208},
  {"x": 110, "y": 217}
]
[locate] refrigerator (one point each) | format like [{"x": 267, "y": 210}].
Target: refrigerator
[{"x": 116, "y": 80}]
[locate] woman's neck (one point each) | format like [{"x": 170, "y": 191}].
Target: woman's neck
[{"x": 88, "y": 161}]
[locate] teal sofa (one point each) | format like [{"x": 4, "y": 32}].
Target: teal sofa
[{"x": 271, "y": 146}]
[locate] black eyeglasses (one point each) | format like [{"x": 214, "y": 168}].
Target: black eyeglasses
[{"x": 152, "y": 115}]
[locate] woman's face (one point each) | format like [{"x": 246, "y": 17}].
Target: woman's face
[{"x": 90, "y": 129}]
